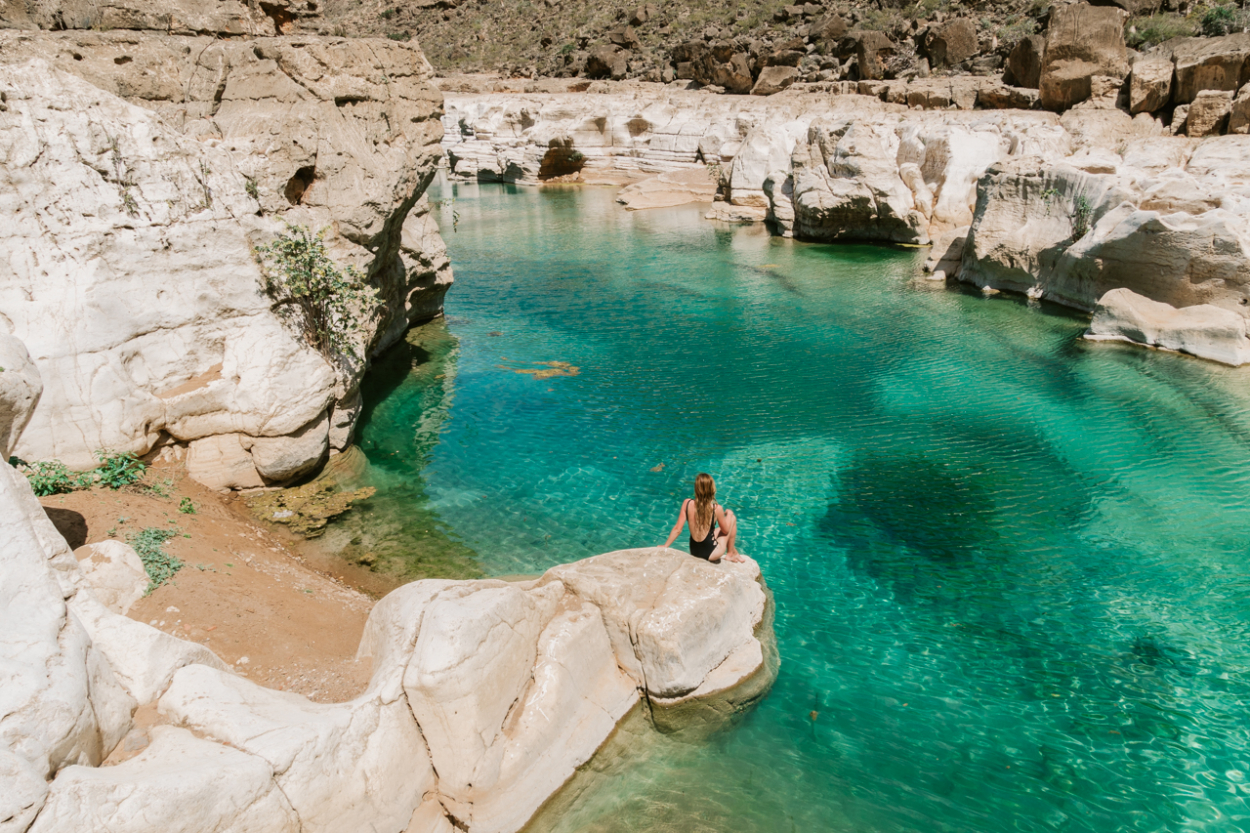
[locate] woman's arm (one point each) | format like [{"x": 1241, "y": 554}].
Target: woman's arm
[{"x": 681, "y": 521}]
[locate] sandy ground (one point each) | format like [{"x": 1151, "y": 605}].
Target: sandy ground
[{"x": 244, "y": 592}]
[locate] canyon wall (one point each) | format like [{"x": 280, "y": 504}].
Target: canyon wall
[
  {"x": 141, "y": 172},
  {"x": 1064, "y": 208}
]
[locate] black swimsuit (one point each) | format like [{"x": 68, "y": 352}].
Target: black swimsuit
[{"x": 702, "y": 549}]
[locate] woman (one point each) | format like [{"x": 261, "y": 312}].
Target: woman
[{"x": 704, "y": 514}]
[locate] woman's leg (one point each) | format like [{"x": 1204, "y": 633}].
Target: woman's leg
[{"x": 731, "y": 535}]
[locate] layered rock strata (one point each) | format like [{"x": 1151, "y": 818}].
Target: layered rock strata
[
  {"x": 141, "y": 171},
  {"x": 485, "y": 695}
]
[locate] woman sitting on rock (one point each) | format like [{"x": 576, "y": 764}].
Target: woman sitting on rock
[{"x": 704, "y": 513}]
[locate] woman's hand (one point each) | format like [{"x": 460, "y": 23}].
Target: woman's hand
[{"x": 681, "y": 521}]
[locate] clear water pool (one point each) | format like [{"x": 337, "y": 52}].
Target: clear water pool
[{"x": 1011, "y": 568}]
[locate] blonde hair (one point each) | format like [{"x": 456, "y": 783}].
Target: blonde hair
[{"x": 704, "y": 496}]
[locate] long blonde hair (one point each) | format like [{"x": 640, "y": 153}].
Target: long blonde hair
[{"x": 704, "y": 497}]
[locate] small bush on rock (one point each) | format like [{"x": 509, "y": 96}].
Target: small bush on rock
[
  {"x": 329, "y": 302},
  {"x": 1220, "y": 20}
]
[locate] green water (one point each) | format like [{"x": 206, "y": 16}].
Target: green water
[{"x": 1010, "y": 567}]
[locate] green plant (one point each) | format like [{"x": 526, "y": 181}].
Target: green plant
[
  {"x": 1015, "y": 30},
  {"x": 1082, "y": 213},
  {"x": 386, "y": 14},
  {"x": 149, "y": 543},
  {"x": 251, "y": 187},
  {"x": 52, "y": 477},
  {"x": 186, "y": 507},
  {"x": 1156, "y": 28},
  {"x": 399, "y": 36},
  {"x": 125, "y": 177},
  {"x": 568, "y": 48},
  {"x": 202, "y": 179},
  {"x": 162, "y": 488},
  {"x": 118, "y": 468},
  {"x": 1219, "y": 20},
  {"x": 1048, "y": 197},
  {"x": 331, "y": 302}
]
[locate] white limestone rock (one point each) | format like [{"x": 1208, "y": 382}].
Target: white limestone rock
[
  {"x": 847, "y": 186},
  {"x": 472, "y": 659},
  {"x": 356, "y": 765},
  {"x": 328, "y": 133},
  {"x": 221, "y": 462},
  {"x": 1205, "y": 331},
  {"x": 114, "y": 572},
  {"x": 669, "y": 189},
  {"x": 179, "y": 784},
  {"x": 61, "y": 703},
  {"x": 280, "y": 459},
  {"x": 143, "y": 658},
  {"x": 20, "y": 389},
  {"x": 670, "y": 619}
]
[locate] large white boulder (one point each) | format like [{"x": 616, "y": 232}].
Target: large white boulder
[
  {"x": 60, "y": 701},
  {"x": 114, "y": 572},
  {"x": 20, "y": 389},
  {"x": 356, "y": 765},
  {"x": 1205, "y": 331},
  {"x": 179, "y": 784}
]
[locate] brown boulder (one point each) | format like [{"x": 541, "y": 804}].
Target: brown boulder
[
  {"x": 719, "y": 65},
  {"x": 784, "y": 58},
  {"x": 1150, "y": 84},
  {"x": 1239, "y": 115},
  {"x": 995, "y": 95},
  {"x": 606, "y": 62},
  {"x": 1209, "y": 64},
  {"x": 1081, "y": 41},
  {"x": 951, "y": 43},
  {"x": 774, "y": 80},
  {"x": 1208, "y": 114},
  {"x": 624, "y": 36},
  {"x": 1024, "y": 64},
  {"x": 872, "y": 51},
  {"x": 642, "y": 14},
  {"x": 831, "y": 27}
]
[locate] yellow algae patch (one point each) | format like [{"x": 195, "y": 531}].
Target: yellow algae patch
[{"x": 545, "y": 370}]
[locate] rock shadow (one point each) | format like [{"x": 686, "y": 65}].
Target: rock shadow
[{"x": 72, "y": 525}]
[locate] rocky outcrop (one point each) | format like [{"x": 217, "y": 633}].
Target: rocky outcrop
[
  {"x": 148, "y": 167},
  {"x": 486, "y": 697},
  {"x": 1082, "y": 42},
  {"x": 1201, "y": 330},
  {"x": 180, "y": 17}
]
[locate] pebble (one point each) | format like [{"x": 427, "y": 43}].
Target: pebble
[
  {"x": 242, "y": 661},
  {"x": 172, "y": 609}
]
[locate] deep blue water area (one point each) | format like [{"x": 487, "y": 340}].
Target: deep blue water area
[{"x": 1011, "y": 568}]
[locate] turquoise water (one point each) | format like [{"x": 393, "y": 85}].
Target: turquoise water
[{"x": 1010, "y": 567}]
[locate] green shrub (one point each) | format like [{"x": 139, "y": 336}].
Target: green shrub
[
  {"x": 1015, "y": 30},
  {"x": 52, "y": 477},
  {"x": 118, "y": 468},
  {"x": 1219, "y": 20},
  {"x": 186, "y": 507},
  {"x": 1153, "y": 29},
  {"x": 149, "y": 543},
  {"x": 1082, "y": 213},
  {"x": 330, "y": 303}
]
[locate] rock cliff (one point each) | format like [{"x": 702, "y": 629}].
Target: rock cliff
[
  {"x": 140, "y": 173},
  {"x": 485, "y": 695}
]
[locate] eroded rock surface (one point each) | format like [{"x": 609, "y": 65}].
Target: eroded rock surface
[{"x": 141, "y": 170}]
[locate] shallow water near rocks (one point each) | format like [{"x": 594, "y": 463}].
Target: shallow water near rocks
[{"x": 1010, "y": 567}]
